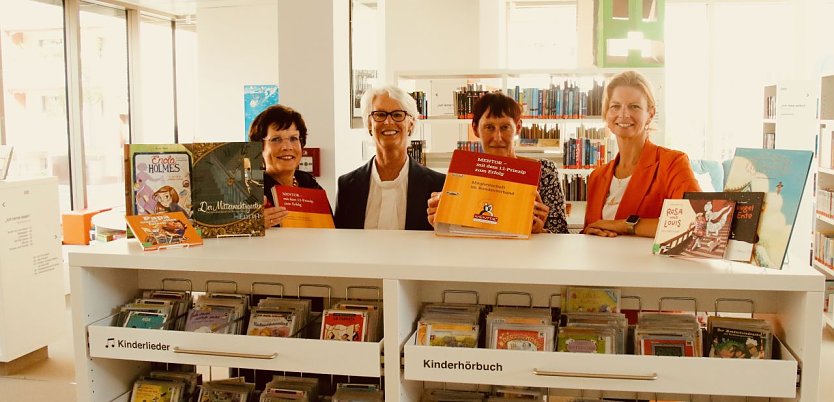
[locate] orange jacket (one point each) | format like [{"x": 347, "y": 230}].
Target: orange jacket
[{"x": 660, "y": 173}]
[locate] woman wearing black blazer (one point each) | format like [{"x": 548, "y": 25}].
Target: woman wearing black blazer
[{"x": 391, "y": 190}]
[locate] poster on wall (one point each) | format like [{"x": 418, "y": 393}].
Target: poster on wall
[{"x": 256, "y": 98}]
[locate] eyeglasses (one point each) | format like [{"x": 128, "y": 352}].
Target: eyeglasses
[
  {"x": 396, "y": 115},
  {"x": 276, "y": 141}
]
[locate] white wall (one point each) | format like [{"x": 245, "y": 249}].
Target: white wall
[
  {"x": 237, "y": 46},
  {"x": 431, "y": 35},
  {"x": 315, "y": 74}
]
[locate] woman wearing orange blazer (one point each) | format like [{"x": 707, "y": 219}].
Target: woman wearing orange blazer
[{"x": 625, "y": 195}]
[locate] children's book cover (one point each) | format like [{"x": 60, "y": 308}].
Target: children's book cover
[
  {"x": 228, "y": 186},
  {"x": 340, "y": 325},
  {"x": 158, "y": 179},
  {"x": 694, "y": 228},
  {"x": 488, "y": 196},
  {"x": 591, "y": 300},
  {"x": 744, "y": 224},
  {"x": 520, "y": 339},
  {"x": 163, "y": 230},
  {"x": 307, "y": 207},
  {"x": 781, "y": 175}
]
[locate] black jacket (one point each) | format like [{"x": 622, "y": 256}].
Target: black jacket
[{"x": 353, "y": 196}]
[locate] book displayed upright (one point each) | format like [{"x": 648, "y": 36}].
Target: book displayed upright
[
  {"x": 157, "y": 178},
  {"x": 488, "y": 196},
  {"x": 744, "y": 223},
  {"x": 307, "y": 207},
  {"x": 694, "y": 228},
  {"x": 781, "y": 175}
]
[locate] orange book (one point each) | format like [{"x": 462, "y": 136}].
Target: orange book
[
  {"x": 163, "y": 230},
  {"x": 307, "y": 207},
  {"x": 488, "y": 196}
]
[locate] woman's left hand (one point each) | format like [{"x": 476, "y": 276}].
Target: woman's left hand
[
  {"x": 540, "y": 211},
  {"x": 603, "y": 228}
]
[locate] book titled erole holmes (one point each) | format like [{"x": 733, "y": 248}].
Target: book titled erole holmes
[
  {"x": 307, "y": 207},
  {"x": 488, "y": 196}
]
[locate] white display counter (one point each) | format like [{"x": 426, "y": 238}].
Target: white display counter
[{"x": 415, "y": 267}]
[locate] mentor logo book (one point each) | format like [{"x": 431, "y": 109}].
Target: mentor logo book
[
  {"x": 488, "y": 196},
  {"x": 307, "y": 207}
]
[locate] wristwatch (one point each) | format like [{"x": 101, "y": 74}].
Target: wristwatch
[{"x": 631, "y": 223}]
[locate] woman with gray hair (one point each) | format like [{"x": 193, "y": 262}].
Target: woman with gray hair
[{"x": 391, "y": 190}]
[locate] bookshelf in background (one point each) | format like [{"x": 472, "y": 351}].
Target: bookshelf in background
[
  {"x": 823, "y": 252},
  {"x": 769, "y": 116}
]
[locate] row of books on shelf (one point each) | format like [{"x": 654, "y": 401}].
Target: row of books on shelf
[
  {"x": 769, "y": 140},
  {"x": 585, "y": 153},
  {"x": 575, "y": 187},
  {"x": 770, "y": 107},
  {"x": 559, "y": 101},
  {"x": 590, "y": 321},
  {"x": 829, "y": 291},
  {"x": 825, "y": 202},
  {"x": 824, "y": 248},
  {"x": 422, "y": 103},
  {"x": 540, "y": 131},
  {"x": 187, "y": 386},
  {"x": 229, "y": 313},
  {"x": 471, "y": 146},
  {"x": 416, "y": 151}
]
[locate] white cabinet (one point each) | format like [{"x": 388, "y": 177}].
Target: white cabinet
[
  {"x": 415, "y": 267},
  {"x": 31, "y": 279}
]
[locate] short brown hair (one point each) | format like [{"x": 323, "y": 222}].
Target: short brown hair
[
  {"x": 280, "y": 116},
  {"x": 498, "y": 105}
]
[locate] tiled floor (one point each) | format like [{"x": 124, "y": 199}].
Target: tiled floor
[{"x": 54, "y": 379}]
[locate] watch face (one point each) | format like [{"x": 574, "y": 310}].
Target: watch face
[
  {"x": 633, "y": 219},
  {"x": 228, "y": 188}
]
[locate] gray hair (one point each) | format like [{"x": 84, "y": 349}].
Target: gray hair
[{"x": 406, "y": 101}]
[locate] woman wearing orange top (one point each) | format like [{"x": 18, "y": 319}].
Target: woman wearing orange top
[{"x": 625, "y": 196}]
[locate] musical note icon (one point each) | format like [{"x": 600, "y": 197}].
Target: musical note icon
[{"x": 111, "y": 343}]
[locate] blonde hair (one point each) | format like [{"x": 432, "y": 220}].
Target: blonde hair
[{"x": 629, "y": 78}]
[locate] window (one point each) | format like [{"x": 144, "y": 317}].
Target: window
[
  {"x": 34, "y": 90},
  {"x": 155, "y": 82},
  {"x": 105, "y": 114}
]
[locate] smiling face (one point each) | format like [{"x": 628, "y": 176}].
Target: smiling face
[
  {"x": 628, "y": 113},
  {"x": 389, "y": 134},
  {"x": 282, "y": 150},
  {"x": 496, "y": 134}
]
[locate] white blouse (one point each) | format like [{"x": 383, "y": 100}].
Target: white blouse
[
  {"x": 387, "y": 201},
  {"x": 615, "y": 195}
]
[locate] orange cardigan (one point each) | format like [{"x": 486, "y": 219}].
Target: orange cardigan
[{"x": 660, "y": 173}]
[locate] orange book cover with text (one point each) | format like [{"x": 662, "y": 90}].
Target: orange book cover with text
[
  {"x": 163, "y": 230},
  {"x": 488, "y": 196},
  {"x": 307, "y": 207}
]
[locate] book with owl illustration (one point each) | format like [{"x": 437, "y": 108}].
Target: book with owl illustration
[
  {"x": 228, "y": 194},
  {"x": 694, "y": 228},
  {"x": 488, "y": 196},
  {"x": 781, "y": 174}
]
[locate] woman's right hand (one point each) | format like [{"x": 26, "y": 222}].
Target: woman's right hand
[
  {"x": 431, "y": 211},
  {"x": 274, "y": 216}
]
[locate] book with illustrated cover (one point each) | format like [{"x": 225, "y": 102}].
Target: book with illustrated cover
[
  {"x": 781, "y": 174},
  {"x": 158, "y": 178},
  {"x": 307, "y": 207},
  {"x": 586, "y": 340},
  {"x": 488, "y": 196},
  {"x": 456, "y": 335},
  {"x": 694, "y": 228},
  {"x": 163, "y": 230},
  {"x": 266, "y": 322},
  {"x": 344, "y": 325},
  {"x": 591, "y": 300},
  {"x": 744, "y": 224},
  {"x": 228, "y": 189},
  {"x": 667, "y": 346},
  {"x": 523, "y": 337},
  {"x": 142, "y": 319},
  {"x": 208, "y": 320}
]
